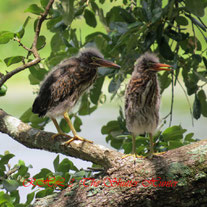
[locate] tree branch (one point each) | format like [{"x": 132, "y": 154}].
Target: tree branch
[
  {"x": 186, "y": 167},
  {"x": 38, "y": 139},
  {"x": 34, "y": 47}
]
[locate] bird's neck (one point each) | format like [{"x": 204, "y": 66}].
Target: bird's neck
[{"x": 146, "y": 76}]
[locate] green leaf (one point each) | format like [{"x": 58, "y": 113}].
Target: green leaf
[
  {"x": 92, "y": 36},
  {"x": 5, "y": 159},
  {"x": 44, "y": 3},
  {"x": 3, "y": 90},
  {"x": 66, "y": 165},
  {"x": 55, "y": 24},
  {"x": 173, "y": 133},
  {"x": 189, "y": 44},
  {"x": 114, "y": 15},
  {"x": 196, "y": 7},
  {"x": 181, "y": 20},
  {"x": 21, "y": 31},
  {"x": 30, "y": 198},
  {"x": 56, "y": 163},
  {"x": 41, "y": 42},
  {"x": 43, "y": 193},
  {"x": 205, "y": 62},
  {"x": 189, "y": 138},
  {"x": 26, "y": 115},
  {"x": 10, "y": 185},
  {"x": 37, "y": 72},
  {"x": 57, "y": 43},
  {"x": 64, "y": 126},
  {"x": 164, "y": 81},
  {"x": 196, "y": 108},
  {"x": 33, "y": 80},
  {"x": 95, "y": 92},
  {"x": 85, "y": 108},
  {"x": 127, "y": 146},
  {"x": 203, "y": 102},
  {"x": 174, "y": 144},
  {"x": 68, "y": 14},
  {"x": 26, "y": 21},
  {"x": 94, "y": 6},
  {"x": 90, "y": 18},
  {"x": 34, "y": 9},
  {"x": 23, "y": 170},
  {"x": 110, "y": 127},
  {"x": 165, "y": 49},
  {"x": 44, "y": 173},
  {"x": 12, "y": 60},
  {"x": 200, "y": 76},
  {"x": 114, "y": 85},
  {"x": 15, "y": 196},
  {"x": 77, "y": 123},
  {"x": 5, "y": 200},
  {"x": 5, "y": 37}
]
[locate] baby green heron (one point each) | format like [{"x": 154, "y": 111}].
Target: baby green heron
[
  {"x": 63, "y": 86},
  {"x": 142, "y": 98}
]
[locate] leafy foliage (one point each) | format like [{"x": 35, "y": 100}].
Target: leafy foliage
[{"x": 45, "y": 182}]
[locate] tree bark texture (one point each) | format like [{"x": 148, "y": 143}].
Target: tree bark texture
[{"x": 175, "y": 178}]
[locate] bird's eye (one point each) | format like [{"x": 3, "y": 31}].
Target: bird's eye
[{"x": 94, "y": 58}]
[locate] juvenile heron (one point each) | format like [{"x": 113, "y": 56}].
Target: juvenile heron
[
  {"x": 63, "y": 86},
  {"x": 142, "y": 98}
]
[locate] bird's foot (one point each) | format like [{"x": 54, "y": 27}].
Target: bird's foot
[
  {"x": 76, "y": 137},
  {"x": 159, "y": 153},
  {"x": 61, "y": 134},
  {"x": 133, "y": 155}
]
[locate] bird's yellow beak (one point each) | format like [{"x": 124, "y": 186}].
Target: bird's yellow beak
[
  {"x": 104, "y": 63},
  {"x": 161, "y": 66}
]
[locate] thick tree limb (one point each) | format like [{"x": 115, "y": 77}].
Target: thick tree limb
[
  {"x": 34, "y": 47},
  {"x": 185, "y": 170},
  {"x": 38, "y": 139}
]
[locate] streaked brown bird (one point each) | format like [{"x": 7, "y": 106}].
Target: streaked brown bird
[
  {"x": 142, "y": 99},
  {"x": 64, "y": 85}
]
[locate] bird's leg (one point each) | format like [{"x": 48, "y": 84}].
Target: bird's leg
[
  {"x": 60, "y": 132},
  {"x": 133, "y": 144},
  {"x": 150, "y": 155},
  {"x": 133, "y": 149},
  {"x": 67, "y": 118}
]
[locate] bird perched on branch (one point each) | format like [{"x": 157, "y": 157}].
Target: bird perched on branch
[
  {"x": 64, "y": 85},
  {"x": 142, "y": 98}
]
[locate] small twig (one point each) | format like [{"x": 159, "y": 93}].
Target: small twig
[
  {"x": 195, "y": 41},
  {"x": 33, "y": 50},
  {"x": 38, "y": 27},
  {"x": 187, "y": 101},
  {"x": 13, "y": 170},
  {"x": 133, "y": 4},
  {"x": 172, "y": 101},
  {"x": 20, "y": 44}
]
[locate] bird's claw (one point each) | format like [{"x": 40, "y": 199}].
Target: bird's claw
[
  {"x": 134, "y": 155},
  {"x": 61, "y": 134},
  {"x": 76, "y": 137},
  {"x": 159, "y": 153}
]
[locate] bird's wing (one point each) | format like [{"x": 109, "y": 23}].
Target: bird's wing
[
  {"x": 137, "y": 92},
  {"x": 57, "y": 87}
]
